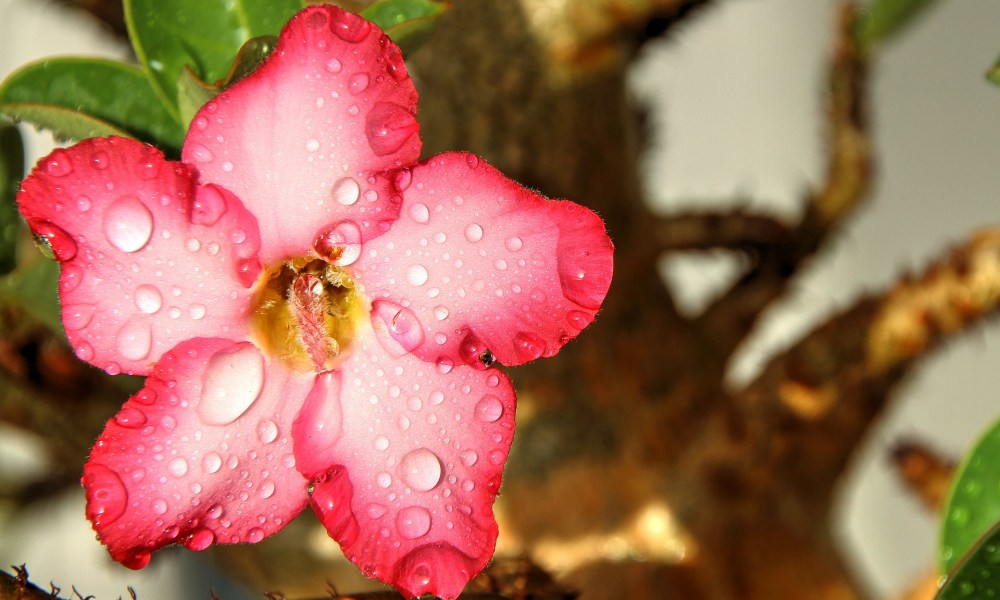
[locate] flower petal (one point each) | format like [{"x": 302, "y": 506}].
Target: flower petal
[
  {"x": 149, "y": 259},
  {"x": 201, "y": 455},
  {"x": 481, "y": 263},
  {"x": 408, "y": 487},
  {"x": 298, "y": 139}
]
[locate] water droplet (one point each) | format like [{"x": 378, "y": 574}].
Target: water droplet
[
  {"x": 402, "y": 180},
  {"x": 381, "y": 443},
  {"x": 312, "y": 145},
  {"x": 197, "y": 311},
  {"x": 489, "y": 408},
  {"x": 201, "y": 154},
  {"x": 232, "y": 382},
  {"x": 54, "y": 241},
  {"x": 359, "y": 82},
  {"x": 334, "y": 66},
  {"x": 471, "y": 349},
  {"x": 400, "y": 323},
  {"x": 420, "y": 213},
  {"x": 135, "y": 339},
  {"x": 83, "y": 203},
  {"x": 77, "y": 316},
  {"x": 474, "y": 232},
  {"x": 528, "y": 346},
  {"x": 128, "y": 224},
  {"x": 200, "y": 539},
  {"x": 468, "y": 485},
  {"x": 469, "y": 457},
  {"x": 444, "y": 365},
  {"x": 59, "y": 164},
  {"x": 211, "y": 463},
  {"x": 384, "y": 480},
  {"x": 375, "y": 511},
  {"x": 346, "y": 191},
  {"x": 413, "y": 522},
  {"x": 148, "y": 169},
  {"x": 417, "y": 275},
  {"x": 436, "y": 398},
  {"x": 178, "y": 467},
  {"x": 440, "y": 312},
  {"x": 106, "y": 494},
  {"x": 159, "y": 506},
  {"x": 208, "y": 206},
  {"x": 99, "y": 160},
  {"x": 266, "y": 489},
  {"x": 404, "y": 423},
  {"x": 201, "y": 123},
  {"x": 340, "y": 245},
  {"x": 472, "y": 160},
  {"x": 497, "y": 457},
  {"x": 350, "y": 27},
  {"x": 421, "y": 470},
  {"x": 388, "y": 126},
  {"x": 267, "y": 431},
  {"x": 84, "y": 351},
  {"x": 148, "y": 299},
  {"x": 414, "y": 403},
  {"x": 130, "y": 417}
]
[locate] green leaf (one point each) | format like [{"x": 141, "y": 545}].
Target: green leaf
[
  {"x": 978, "y": 575},
  {"x": 407, "y": 22},
  {"x": 994, "y": 73},
  {"x": 11, "y": 172},
  {"x": 881, "y": 19},
  {"x": 84, "y": 97},
  {"x": 203, "y": 34},
  {"x": 973, "y": 503},
  {"x": 32, "y": 289}
]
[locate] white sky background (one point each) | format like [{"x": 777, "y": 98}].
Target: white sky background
[{"x": 737, "y": 98}]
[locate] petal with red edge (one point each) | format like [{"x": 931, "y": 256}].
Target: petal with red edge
[
  {"x": 148, "y": 258},
  {"x": 484, "y": 264},
  {"x": 409, "y": 485},
  {"x": 298, "y": 139},
  {"x": 201, "y": 455}
]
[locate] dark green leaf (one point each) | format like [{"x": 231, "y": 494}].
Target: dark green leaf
[
  {"x": 978, "y": 575},
  {"x": 994, "y": 73},
  {"x": 102, "y": 97},
  {"x": 32, "y": 290},
  {"x": 881, "y": 19},
  {"x": 973, "y": 504},
  {"x": 408, "y": 22},
  {"x": 203, "y": 34},
  {"x": 11, "y": 172}
]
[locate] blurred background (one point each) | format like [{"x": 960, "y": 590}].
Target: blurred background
[{"x": 735, "y": 100}]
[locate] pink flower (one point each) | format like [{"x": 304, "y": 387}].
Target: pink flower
[{"x": 316, "y": 312}]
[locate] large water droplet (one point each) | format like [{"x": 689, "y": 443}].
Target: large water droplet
[
  {"x": 178, "y": 467},
  {"x": 469, "y": 457},
  {"x": 135, "y": 339},
  {"x": 413, "y": 522},
  {"x": 440, "y": 312},
  {"x": 59, "y": 164},
  {"x": 199, "y": 539},
  {"x": 388, "y": 126},
  {"x": 128, "y": 224},
  {"x": 99, "y": 160},
  {"x": 231, "y": 383},
  {"x": 266, "y": 489},
  {"x": 417, "y": 275},
  {"x": 106, "y": 494},
  {"x": 267, "y": 431},
  {"x": 528, "y": 346},
  {"x": 340, "y": 245},
  {"x": 489, "y": 408},
  {"x": 420, "y": 213},
  {"x": 474, "y": 232},
  {"x": 77, "y": 316},
  {"x": 421, "y": 470},
  {"x": 201, "y": 154},
  {"x": 346, "y": 191},
  {"x": 359, "y": 82},
  {"x": 350, "y": 27},
  {"x": 208, "y": 206},
  {"x": 148, "y": 299},
  {"x": 399, "y": 322},
  {"x": 55, "y": 242},
  {"x": 255, "y": 535},
  {"x": 212, "y": 462}
]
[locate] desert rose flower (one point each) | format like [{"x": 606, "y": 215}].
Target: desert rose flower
[{"x": 317, "y": 314}]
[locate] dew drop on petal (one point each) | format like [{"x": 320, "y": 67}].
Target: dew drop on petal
[
  {"x": 528, "y": 346},
  {"x": 84, "y": 351},
  {"x": 159, "y": 506},
  {"x": 232, "y": 382},
  {"x": 469, "y": 457},
  {"x": 178, "y": 467},
  {"x": 359, "y": 82},
  {"x": 346, "y": 191},
  {"x": 421, "y": 470},
  {"x": 59, "y": 164},
  {"x": 201, "y": 154},
  {"x": 375, "y": 511},
  {"x": 196, "y": 311},
  {"x": 388, "y": 126},
  {"x": 420, "y": 213},
  {"x": 99, "y": 160},
  {"x": 340, "y": 245},
  {"x": 135, "y": 339},
  {"x": 200, "y": 539},
  {"x": 55, "y": 241},
  {"x": 267, "y": 431},
  {"x": 417, "y": 275},
  {"x": 312, "y": 145},
  {"x": 474, "y": 232},
  {"x": 413, "y": 522},
  {"x": 130, "y": 417},
  {"x": 579, "y": 319},
  {"x": 106, "y": 494},
  {"x": 77, "y": 316},
  {"x": 384, "y": 480},
  {"x": 489, "y": 408},
  {"x": 350, "y": 27},
  {"x": 266, "y": 489},
  {"x": 148, "y": 299},
  {"x": 208, "y": 206},
  {"x": 334, "y": 65},
  {"x": 128, "y": 224},
  {"x": 212, "y": 462},
  {"x": 440, "y": 312},
  {"x": 399, "y": 322}
]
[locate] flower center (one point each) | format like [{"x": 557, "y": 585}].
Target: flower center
[{"x": 306, "y": 313}]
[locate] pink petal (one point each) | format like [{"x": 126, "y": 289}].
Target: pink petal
[
  {"x": 298, "y": 139},
  {"x": 149, "y": 259},
  {"x": 409, "y": 480},
  {"x": 481, "y": 263},
  {"x": 200, "y": 455}
]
